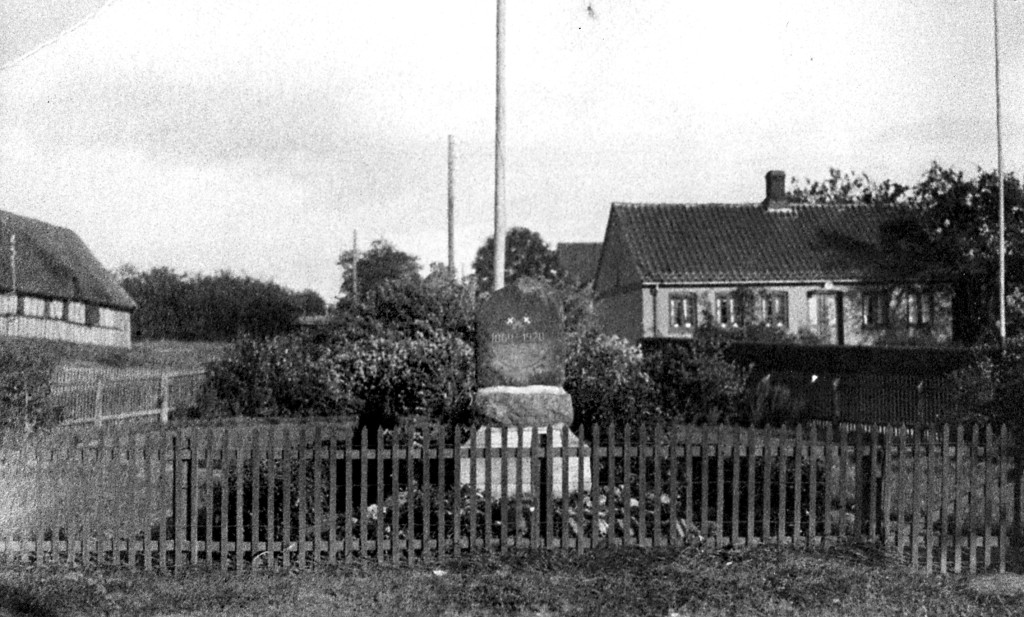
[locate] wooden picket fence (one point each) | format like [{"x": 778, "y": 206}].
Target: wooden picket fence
[
  {"x": 116, "y": 396},
  {"x": 298, "y": 495}
]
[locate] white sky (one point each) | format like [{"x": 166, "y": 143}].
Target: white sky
[{"x": 256, "y": 135}]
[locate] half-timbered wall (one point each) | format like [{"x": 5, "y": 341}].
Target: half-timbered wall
[{"x": 61, "y": 320}]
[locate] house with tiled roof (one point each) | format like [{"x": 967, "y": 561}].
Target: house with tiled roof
[
  {"x": 53, "y": 287},
  {"x": 667, "y": 269}
]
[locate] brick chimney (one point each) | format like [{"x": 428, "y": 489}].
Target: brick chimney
[{"x": 775, "y": 190}]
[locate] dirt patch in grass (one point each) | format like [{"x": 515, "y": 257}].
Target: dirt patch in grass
[{"x": 604, "y": 582}]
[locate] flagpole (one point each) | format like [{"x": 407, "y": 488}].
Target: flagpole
[
  {"x": 499, "y": 150},
  {"x": 1002, "y": 198}
]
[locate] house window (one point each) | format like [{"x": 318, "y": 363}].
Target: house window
[
  {"x": 775, "y": 309},
  {"x": 92, "y": 315},
  {"x": 76, "y": 312},
  {"x": 682, "y": 311},
  {"x": 876, "y": 308},
  {"x": 920, "y": 307},
  {"x": 31, "y": 307},
  {"x": 726, "y": 312}
]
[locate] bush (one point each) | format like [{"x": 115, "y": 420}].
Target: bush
[
  {"x": 410, "y": 306},
  {"x": 428, "y": 375},
  {"x": 380, "y": 378},
  {"x": 605, "y": 376},
  {"x": 1007, "y": 384},
  {"x": 695, "y": 382},
  {"x": 26, "y": 369},
  {"x": 611, "y": 380},
  {"x": 282, "y": 376}
]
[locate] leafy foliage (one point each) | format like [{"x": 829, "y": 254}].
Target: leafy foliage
[
  {"x": 381, "y": 264},
  {"x": 612, "y": 380},
  {"x": 216, "y": 307},
  {"x": 1005, "y": 379},
  {"x": 946, "y": 231},
  {"x": 605, "y": 376},
  {"x": 410, "y": 305},
  {"x": 401, "y": 350},
  {"x": 377, "y": 378},
  {"x": 26, "y": 369},
  {"x": 843, "y": 188},
  {"x": 526, "y": 254},
  {"x": 696, "y": 383}
]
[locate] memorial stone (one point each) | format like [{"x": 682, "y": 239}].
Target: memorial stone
[
  {"x": 520, "y": 337},
  {"x": 520, "y": 356}
]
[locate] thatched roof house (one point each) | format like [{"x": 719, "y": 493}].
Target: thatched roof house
[{"x": 53, "y": 287}]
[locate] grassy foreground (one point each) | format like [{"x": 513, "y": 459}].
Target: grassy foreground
[{"x": 670, "y": 583}]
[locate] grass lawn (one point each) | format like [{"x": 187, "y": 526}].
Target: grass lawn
[
  {"x": 154, "y": 355},
  {"x": 670, "y": 583}
]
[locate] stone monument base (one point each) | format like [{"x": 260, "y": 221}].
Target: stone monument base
[
  {"x": 518, "y": 464},
  {"x": 524, "y": 405}
]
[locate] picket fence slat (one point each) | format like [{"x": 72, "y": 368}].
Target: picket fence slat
[
  {"x": 751, "y": 484},
  {"x": 973, "y": 508},
  {"x": 815, "y": 453},
  {"x": 1005, "y": 509},
  {"x": 798, "y": 450},
  {"x": 395, "y": 463},
  {"x": 410, "y": 503}
]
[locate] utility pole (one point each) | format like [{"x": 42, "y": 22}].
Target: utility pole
[
  {"x": 451, "y": 206},
  {"x": 341, "y": 268},
  {"x": 14, "y": 265},
  {"x": 499, "y": 151},
  {"x": 1002, "y": 198},
  {"x": 355, "y": 266}
]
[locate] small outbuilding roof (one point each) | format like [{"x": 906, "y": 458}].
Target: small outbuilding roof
[
  {"x": 706, "y": 243},
  {"x": 53, "y": 262}
]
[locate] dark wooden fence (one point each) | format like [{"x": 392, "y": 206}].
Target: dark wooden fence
[
  {"x": 860, "y": 397},
  {"x": 284, "y": 496}
]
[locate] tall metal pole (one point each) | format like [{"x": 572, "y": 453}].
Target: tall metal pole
[
  {"x": 499, "y": 152},
  {"x": 1002, "y": 199},
  {"x": 451, "y": 206}
]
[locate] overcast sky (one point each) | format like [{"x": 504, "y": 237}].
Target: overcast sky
[{"x": 256, "y": 135}]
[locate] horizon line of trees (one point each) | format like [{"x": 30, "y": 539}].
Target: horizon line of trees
[{"x": 211, "y": 307}]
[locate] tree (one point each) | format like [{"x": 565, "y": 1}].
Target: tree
[
  {"x": 382, "y": 263},
  {"x": 842, "y": 188},
  {"x": 161, "y": 298},
  {"x": 946, "y": 230},
  {"x": 526, "y": 254},
  {"x": 960, "y": 231},
  {"x": 216, "y": 307},
  {"x": 309, "y": 302},
  {"x": 437, "y": 303}
]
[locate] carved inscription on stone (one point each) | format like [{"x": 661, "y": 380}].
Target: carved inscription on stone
[{"x": 519, "y": 338}]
